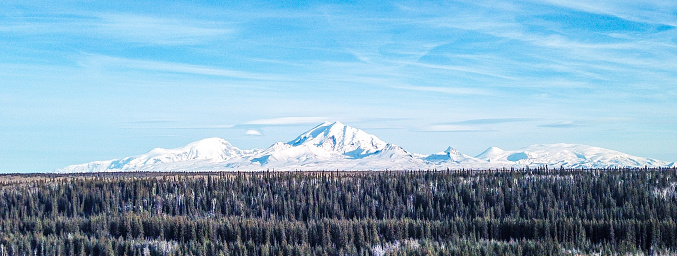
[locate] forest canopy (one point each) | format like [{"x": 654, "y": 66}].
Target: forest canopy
[{"x": 500, "y": 212}]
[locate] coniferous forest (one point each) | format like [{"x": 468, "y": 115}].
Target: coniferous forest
[{"x": 496, "y": 212}]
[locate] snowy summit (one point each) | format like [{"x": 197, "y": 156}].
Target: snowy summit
[
  {"x": 342, "y": 139},
  {"x": 335, "y": 146}
]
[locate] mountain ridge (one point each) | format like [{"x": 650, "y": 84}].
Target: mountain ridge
[{"x": 335, "y": 146}]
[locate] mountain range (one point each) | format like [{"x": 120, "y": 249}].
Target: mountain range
[{"x": 335, "y": 146}]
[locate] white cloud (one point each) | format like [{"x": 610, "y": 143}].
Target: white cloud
[
  {"x": 124, "y": 27},
  {"x": 484, "y": 121},
  {"x": 652, "y": 11},
  {"x": 288, "y": 120},
  {"x": 447, "y": 90},
  {"x": 96, "y": 60},
  {"x": 455, "y": 128},
  {"x": 174, "y": 127},
  {"x": 253, "y": 133},
  {"x": 455, "y": 68},
  {"x": 564, "y": 124},
  {"x": 163, "y": 31}
]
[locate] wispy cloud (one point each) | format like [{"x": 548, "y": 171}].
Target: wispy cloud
[
  {"x": 454, "y": 128},
  {"x": 565, "y": 124},
  {"x": 152, "y": 121},
  {"x": 652, "y": 11},
  {"x": 446, "y": 90},
  {"x": 123, "y": 27},
  {"x": 294, "y": 120},
  {"x": 162, "y": 31},
  {"x": 458, "y": 68},
  {"x": 475, "y": 125},
  {"x": 171, "y": 124},
  {"x": 102, "y": 61},
  {"x": 561, "y": 57},
  {"x": 589, "y": 122},
  {"x": 179, "y": 127},
  {"x": 493, "y": 121}
]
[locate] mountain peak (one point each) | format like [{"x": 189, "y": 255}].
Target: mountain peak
[
  {"x": 451, "y": 151},
  {"x": 329, "y": 123},
  {"x": 333, "y": 145},
  {"x": 450, "y": 154},
  {"x": 205, "y": 149},
  {"x": 337, "y": 137}
]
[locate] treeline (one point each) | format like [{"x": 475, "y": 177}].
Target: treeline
[{"x": 506, "y": 212}]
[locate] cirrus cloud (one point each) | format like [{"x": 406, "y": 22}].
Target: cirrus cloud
[{"x": 292, "y": 120}]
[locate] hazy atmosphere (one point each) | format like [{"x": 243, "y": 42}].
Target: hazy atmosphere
[{"x": 83, "y": 81}]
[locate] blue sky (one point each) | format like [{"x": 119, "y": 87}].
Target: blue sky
[{"x": 84, "y": 81}]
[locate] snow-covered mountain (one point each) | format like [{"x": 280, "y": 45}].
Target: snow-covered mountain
[
  {"x": 449, "y": 155},
  {"x": 566, "y": 155},
  {"x": 327, "y": 141},
  {"x": 335, "y": 146},
  {"x": 204, "y": 154},
  {"x": 342, "y": 139}
]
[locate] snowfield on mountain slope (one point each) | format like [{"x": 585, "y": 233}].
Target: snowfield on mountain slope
[
  {"x": 335, "y": 146},
  {"x": 568, "y": 156}
]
